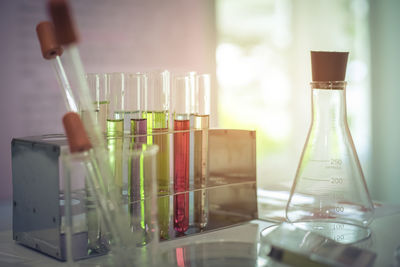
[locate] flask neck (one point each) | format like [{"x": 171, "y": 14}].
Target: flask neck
[{"x": 329, "y": 104}]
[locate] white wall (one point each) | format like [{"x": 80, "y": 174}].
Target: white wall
[{"x": 385, "y": 63}]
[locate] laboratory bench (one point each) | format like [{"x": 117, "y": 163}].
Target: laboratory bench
[{"x": 232, "y": 246}]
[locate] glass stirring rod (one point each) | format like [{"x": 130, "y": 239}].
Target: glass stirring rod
[{"x": 52, "y": 51}]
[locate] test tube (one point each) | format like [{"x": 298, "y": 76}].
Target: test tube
[
  {"x": 99, "y": 89},
  {"x": 135, "y": 111},
  {"x": 193, "y": 107},
  {"x": 111, "y": 215},
  {"x": 115, "y": 130},
  {"x": 181, "y": 111},
  {"x": 115, "y": 117},
  {"x": 201, "y": 124},
  {"x": 158, "y": 99},
  {"x": 193, "y": 96},
  {"x": 158, "y": 122},
  {"x": 52, "y": 51},
  {"x": 135, "y": 105},
  {"x": 202, "y": 107}
]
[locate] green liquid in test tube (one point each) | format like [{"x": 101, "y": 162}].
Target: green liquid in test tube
[
  {"x": 158, "y": 92},
  {"x": 115, "y": 129}
]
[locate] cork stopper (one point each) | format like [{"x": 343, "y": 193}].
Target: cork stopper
[
  {"x": 47, "y": 39},
  {"x": 78, "y": 140},
  {"x": 328, "y": 66},
  {"x": 63, "y": 23}
]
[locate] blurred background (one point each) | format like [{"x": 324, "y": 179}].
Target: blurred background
[{"x": 258, "y": 52}]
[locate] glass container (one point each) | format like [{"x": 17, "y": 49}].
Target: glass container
[{"x": 329, "y": 194}]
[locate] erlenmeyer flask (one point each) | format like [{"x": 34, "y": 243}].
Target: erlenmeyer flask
[{"x": 329, "y": 193}]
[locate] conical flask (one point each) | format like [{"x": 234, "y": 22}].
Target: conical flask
[{"x": 329, "y": 193}]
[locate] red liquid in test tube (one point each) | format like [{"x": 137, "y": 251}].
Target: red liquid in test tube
[{"x": 181, "y": 175}]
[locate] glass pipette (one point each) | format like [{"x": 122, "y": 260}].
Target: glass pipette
[
  {"x": 52, "y": 51},
  {"x": 108, "y": 198},
  {"x": 68, "y": 39}
]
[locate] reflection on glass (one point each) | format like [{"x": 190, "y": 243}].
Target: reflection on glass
[
  {"x": 114, "y": 144},
  {"x": 181, "y": 257},
  {"x": 137, "y": 194}
]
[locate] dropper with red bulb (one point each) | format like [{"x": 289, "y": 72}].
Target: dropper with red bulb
[{"x": 52, "y": 51}]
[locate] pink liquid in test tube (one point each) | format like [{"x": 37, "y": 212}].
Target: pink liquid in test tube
[{"x": 139, "y": 127}]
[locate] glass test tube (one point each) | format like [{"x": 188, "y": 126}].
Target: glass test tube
[
  {"x": 157, "y": 99},
  {"x": 115, "y": 128},
  {"x": 99, "y": 89},
  {"x": 181, "y": 111},
  {"x": 144, "y": 209},
  {"x": 193, "y": 95},
  {"x": 115, "y": 117},
  {"x": 99, "y": 92},
  {"x": 202, "y": 106},
  {"x": 135, "y": 111},
  {"x": 201, "y": 124},
  {"x": 193, "y": 102},
  {"x": 158, "y": 125},
  {"x": 135, "y": 104},
  {"x": 108, "y": 207}
]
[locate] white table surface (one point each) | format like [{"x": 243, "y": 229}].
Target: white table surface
[{"x": 385, "y": 239}]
